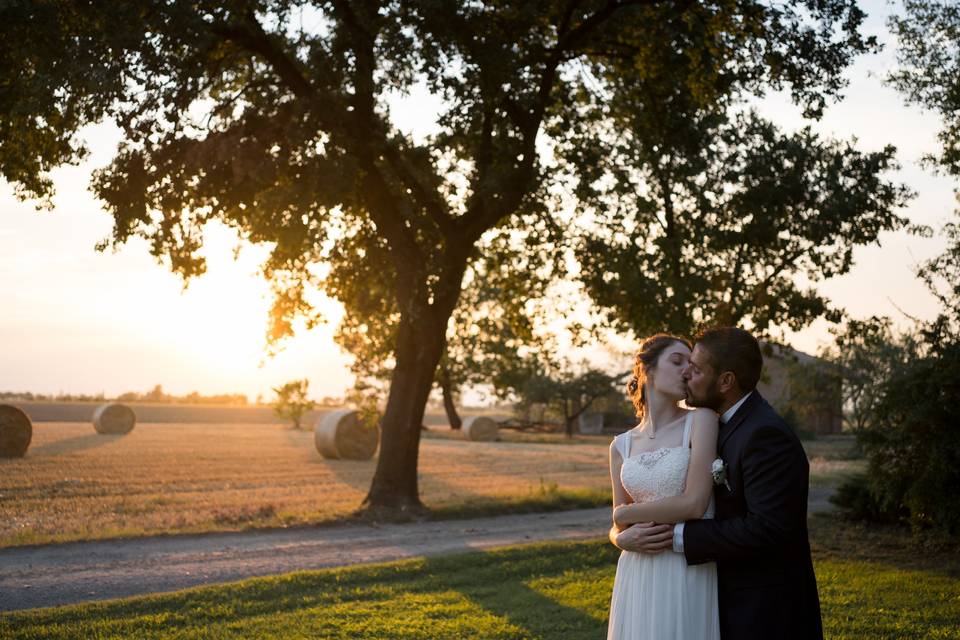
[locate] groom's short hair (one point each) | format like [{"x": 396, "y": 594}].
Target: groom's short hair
[{"x": 736, "y": 350}]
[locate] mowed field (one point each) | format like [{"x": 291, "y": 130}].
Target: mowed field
[
  {"x": 75, "y": 484},
  {"x": 164, "y": 478}
]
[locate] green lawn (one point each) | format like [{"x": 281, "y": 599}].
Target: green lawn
[{"x": 872, "y": 585}]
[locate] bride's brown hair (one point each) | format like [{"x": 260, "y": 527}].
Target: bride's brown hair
[{"x": 645, "y": 362}]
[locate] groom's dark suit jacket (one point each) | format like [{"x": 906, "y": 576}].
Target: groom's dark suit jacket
[{"x": 758, "y": 538}]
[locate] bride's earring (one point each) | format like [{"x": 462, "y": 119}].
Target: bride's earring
[{"x": 651, "y": 431}]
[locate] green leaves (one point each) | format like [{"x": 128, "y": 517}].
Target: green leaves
[
  {"x": 928, "y": 55},
  {"x": 715, "y": 225},
  {"x": 61, "y": 71}
]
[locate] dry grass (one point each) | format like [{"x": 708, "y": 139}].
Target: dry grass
[
  {"x": 515, "y": 435},
  {"x": 165, "y": 478},
  {"x": 835, "y": 447},
  {"x": 178, "y": 478},
  {"x": 833, "y": 458}
]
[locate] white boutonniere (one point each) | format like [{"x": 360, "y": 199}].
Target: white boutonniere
[{"x": 719, "y": 472}]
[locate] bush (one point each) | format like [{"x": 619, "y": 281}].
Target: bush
[
  {"x": 913, "y": 443},
  {"x": 855, "y": 497}
]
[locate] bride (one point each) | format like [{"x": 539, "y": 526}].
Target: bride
[{"x": 660, "y": 471}]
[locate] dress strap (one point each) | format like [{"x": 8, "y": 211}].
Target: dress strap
[
  {"x": 624, "y": 444},
  {"x": 687, "y": 423}
]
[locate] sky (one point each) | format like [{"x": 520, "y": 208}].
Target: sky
[{"x": 78, "y": 321}]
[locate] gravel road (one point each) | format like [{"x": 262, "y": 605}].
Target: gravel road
[{"x": 52, "y": 575}]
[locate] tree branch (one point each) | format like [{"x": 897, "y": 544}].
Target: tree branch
[
  {"x": 570, "y": 39},
  {"x": 255, "y": 39},
  {"x": 407, "y": 258},
  {"x": 479, "y": 220},
  {"x": 737, "y": 311},
  {"x": 434, "y": 207}
]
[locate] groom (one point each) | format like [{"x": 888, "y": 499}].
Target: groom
[{"x": 766, "y": 584}]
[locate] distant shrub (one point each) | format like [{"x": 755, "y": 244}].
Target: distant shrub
[
  {"x": 292, "y": 403},
  {"x": 855, "y": 497}
]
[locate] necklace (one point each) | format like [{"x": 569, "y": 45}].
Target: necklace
[{"x": 652, "y": 429}]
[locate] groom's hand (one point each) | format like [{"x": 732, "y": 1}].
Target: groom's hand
[{"x": 646, "y": 537}]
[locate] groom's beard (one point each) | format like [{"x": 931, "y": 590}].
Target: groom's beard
[{"x": 712, "y": 399}]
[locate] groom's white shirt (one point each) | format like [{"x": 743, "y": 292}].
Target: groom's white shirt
[{"x": 678, "y": 528}]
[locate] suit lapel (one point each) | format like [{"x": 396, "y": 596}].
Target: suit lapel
[{"x": 738, "y": 418}]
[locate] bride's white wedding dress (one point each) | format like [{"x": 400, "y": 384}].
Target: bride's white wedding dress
[{"x": 659, "y": 597}]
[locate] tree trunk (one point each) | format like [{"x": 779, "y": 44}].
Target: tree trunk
[
  {"x": 420, "y": 343},
  {"x": 447, "y": 389},
  {"x": 572, "y": 411}
]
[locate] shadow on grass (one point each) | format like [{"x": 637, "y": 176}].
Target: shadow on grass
[
  {"x": 469, "y": 503},
  {"x": 341, "y": 599},
  {"x": 501, "y": 589},
  {"x": 513, "y": 436},
  {"x": 356, "y": 474},
  {"x": 72, "y": 445},
  {"x": 834, "y": 536}
]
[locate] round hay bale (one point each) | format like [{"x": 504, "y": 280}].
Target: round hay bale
[
  {"x": 481, "y": 429},
  {"x": 113, "y": 418},
  {"x": 341, "y": 435},
  {"x": 16, "y": 431}
]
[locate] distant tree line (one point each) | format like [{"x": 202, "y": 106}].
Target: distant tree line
[
  {"x": 27, "y": 396},
  {"x": 157, "y": 395}
]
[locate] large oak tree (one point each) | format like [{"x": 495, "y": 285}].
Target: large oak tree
[{"x": 272, "y": 117}]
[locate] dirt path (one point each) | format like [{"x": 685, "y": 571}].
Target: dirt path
[{"x": 51, "y": 575}]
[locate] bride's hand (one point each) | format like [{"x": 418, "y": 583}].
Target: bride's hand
[
  {"x": 646, "y": 537},
  {"x": 620, "y": 528}
]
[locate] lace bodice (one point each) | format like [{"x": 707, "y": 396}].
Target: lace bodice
[
  {"x": 651, "y": 475},
  {"x": 661, "y": 473}
]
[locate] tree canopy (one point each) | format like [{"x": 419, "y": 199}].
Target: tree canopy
[
  {"x": 718, "y": 217},
  {"x": 928, "y": 68}
]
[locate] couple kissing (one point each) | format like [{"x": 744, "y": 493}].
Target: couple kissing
[{"x": 709, "y": 501}]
